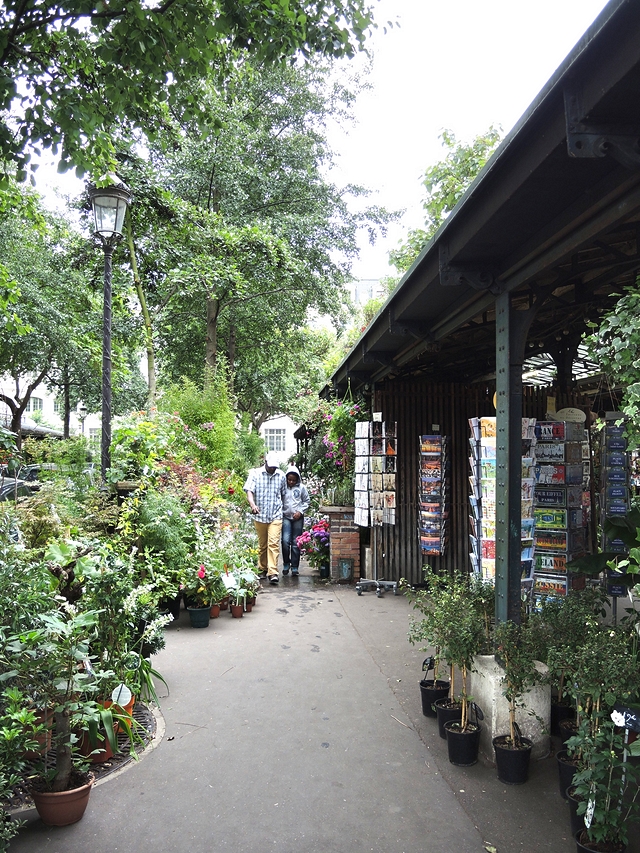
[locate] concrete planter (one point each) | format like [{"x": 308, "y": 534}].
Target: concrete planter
[{"x": 486, "y": 689}]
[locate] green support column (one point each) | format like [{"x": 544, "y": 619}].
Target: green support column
[{"x": 508, "y": 460}]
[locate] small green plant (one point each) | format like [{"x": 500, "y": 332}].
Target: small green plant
[
  {"x": 561, "y": 625},
  {"x": 607, "y": 784},
  {"x": 516, "y": 652}
]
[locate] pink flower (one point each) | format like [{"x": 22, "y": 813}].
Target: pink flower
[{"x": 201, "y": 572}]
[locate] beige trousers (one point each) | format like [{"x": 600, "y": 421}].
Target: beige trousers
[{"x": 269, "y": 535}]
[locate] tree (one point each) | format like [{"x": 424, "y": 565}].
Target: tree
[
  {"x": 71, "y": 70},
  {"x": 615, "y": 346},
  {"x": 239, "y": 234},
  {"x": 60, "y": 307},
  {"x": 445, "y": 183}
]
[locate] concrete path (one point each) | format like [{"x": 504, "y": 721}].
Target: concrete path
[{"x": 298, "y": 729}]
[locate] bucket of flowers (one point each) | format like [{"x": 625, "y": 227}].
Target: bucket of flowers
[{"x": 314, "y": 545}]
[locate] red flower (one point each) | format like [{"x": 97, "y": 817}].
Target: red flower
[{"x": 201, "y": 572}]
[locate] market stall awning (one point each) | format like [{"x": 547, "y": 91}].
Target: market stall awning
[{"x": 553, "y": 219}]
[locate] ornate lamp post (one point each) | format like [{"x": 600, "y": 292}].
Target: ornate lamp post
[
  {"x": 82, "y": 414},
  {"x": 109, "y": 208}
]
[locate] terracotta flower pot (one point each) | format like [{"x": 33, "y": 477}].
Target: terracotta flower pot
[
  {"x": 236, "y": 611},
  {"x": 215, "y": 611},
  {"x": 64, "y": 807}
]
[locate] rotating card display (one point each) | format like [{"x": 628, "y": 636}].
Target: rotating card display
[
  {"x": 615, "y": 482},
  {"x": 376, "y": 447},
  {"x": 482, "y": 500},
  {"x": 562, "y": 503},
  {"x": 434, "y": 514}
]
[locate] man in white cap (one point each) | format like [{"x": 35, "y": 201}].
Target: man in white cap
[{"x": 265, "y": 488}]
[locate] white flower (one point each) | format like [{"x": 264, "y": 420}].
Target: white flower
[{"x": 618, "y": 718}]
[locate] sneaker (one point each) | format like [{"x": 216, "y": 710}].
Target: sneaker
[
  {"x": 274, "y": 579},
  {"x": 285, "y": 571},
  {"x": 294, "y": 572}
]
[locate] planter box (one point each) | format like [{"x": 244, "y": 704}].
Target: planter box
[{"x": 486, "y": 690}]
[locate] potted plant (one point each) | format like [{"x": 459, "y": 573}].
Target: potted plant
[
  {"x": 238, "y": 598},
  {"x": 423, "y": 632},
  {"x": 516, "y": 648},
  {"x": 604, "y": 675},
  {"x": 218, "y": 592},
  {"x": 607, "y": 787},
  {"x": 54, "y": 662},
  {"x": 562, "y": 622},
  {"x": 462, "y": 635},
  {"x": 197, "y": 585}
]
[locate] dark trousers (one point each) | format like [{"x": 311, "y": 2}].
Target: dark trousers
[{"x": 290, "y": 551}]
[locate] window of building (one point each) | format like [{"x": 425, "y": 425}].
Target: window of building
[
  {"x": 34, "y": 404},
  {"x": 58, "y": 406},
  {"x": 275, "y": 439}
]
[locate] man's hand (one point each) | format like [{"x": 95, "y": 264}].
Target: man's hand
[
  {"x": 297, "y": 515},
  {"x": 255, "y": 510}
]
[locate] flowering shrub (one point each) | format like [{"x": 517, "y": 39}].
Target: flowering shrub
[
  {"x": 331, "y": 455},
  {"x": 314, "y": 544}
]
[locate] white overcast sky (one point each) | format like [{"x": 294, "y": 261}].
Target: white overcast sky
[{"x": 462, "y": 65}]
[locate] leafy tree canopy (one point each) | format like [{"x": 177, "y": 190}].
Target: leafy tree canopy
[
  {"x": 615, "y": 346},
  {"x": 445, "y": 183},
  {"x": 72, "y": 70}
]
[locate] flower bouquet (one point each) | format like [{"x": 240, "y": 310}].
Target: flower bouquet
[{"x": 314, "y": 544}]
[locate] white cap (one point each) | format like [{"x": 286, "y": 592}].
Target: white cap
[{"x": 271, "y": 460}]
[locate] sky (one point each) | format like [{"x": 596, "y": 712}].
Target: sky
[{"x": 460, "y": 65}]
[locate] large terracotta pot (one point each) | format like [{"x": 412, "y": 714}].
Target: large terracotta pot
[{"x": 63, "y": 807}]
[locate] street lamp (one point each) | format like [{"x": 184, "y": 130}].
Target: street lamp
[
  {"x": 82, "y": 414},
  {"x": 109, "y": 207}
]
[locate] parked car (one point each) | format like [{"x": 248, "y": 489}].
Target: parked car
[{"x": 10, "y": 489}]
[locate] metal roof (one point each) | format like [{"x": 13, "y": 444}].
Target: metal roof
[{"x": 553, "y": 219}]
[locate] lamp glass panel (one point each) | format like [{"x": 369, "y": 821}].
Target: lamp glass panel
[{"x": 109, "y": 214}]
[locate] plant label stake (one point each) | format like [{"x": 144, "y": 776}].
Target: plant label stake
[
  {"x": 591, "y": 807},
  {"x": 121, "y": 695}
]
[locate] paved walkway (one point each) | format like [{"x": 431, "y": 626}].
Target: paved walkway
[{"x": 298, "y": 729}]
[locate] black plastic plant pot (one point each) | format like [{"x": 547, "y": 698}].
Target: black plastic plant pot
[
  {"x": 583, "y": 848},
  {"x": 447, "y": 711},
  {"x": 566, "y": 771},
  {"x": 567, "y": 728},
  {"x": 430, "y": 693},
  {"x": 462, "y": 745},
  {"x": 512, "y": 764},
  {"x": 577, "y": 820},
  {"x": 560, "y": 712}
]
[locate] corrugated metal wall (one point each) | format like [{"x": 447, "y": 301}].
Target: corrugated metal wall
[{"x": 417, "y": 406}]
